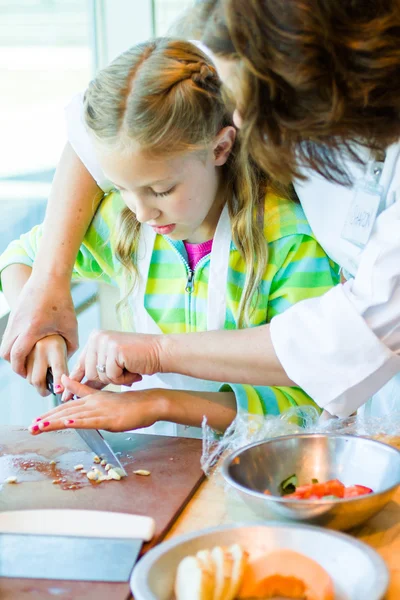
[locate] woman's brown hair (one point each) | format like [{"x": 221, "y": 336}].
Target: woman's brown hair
[
  {"x": 317, "y": 78},
  {"x": 165, "y": 95}
]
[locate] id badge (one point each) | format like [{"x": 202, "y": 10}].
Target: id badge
[{"x": 362, "y": 213}]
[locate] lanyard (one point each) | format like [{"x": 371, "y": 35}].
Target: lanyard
[{"x": 365, "y": 204}]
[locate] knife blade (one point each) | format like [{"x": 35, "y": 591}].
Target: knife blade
[
  {"x": 32, "y": 541},
  {"x": 91, "y": 437}
]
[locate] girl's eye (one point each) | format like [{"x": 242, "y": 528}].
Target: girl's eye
[{"x": 161, "y": 194}]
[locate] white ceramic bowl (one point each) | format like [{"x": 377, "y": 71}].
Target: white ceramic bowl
[{"x": 357, "y": 571}]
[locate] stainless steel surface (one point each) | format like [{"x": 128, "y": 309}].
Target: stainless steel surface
[
  {"x": 353, "y": 460},
  {"x": 358, "y": 573},
  {"x": 91, "y": 437},
  {"x": 67, "y": 558},
  {"x": 98, "y": 444}
]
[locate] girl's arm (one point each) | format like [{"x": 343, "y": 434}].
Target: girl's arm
[
  {"x": 45, "y": 305},
  {"x": 94, "y": 261},
  {"x": 133, "y": 410}
]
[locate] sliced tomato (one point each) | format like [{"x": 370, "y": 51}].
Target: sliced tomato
[
  {"x": 352, "y": 491},
  {"x": 313, "y": 491}
]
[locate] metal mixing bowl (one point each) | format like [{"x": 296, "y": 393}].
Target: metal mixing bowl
[
  {"x": 352, "y": 460},
  {"x": 357, "y": 571}
]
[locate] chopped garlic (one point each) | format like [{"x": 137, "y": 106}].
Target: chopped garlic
[
  {"x": 103, "y": 462},
  {"x": 92, "y": 475},
  {"x": 114, "y": 474},
  {"x": 120, "y": 471},
  {"x": 56, "y": 481},
  {"x": 83, "y": 471},
  {"x": 78, "y": 467},
  {"x": 109, "y": 466},
  {"x": 141, "y": 472},
  {"x": 53, "y": 462},
  {"x": 96, "y": 459},
  {"x": 11, "y": 479}
]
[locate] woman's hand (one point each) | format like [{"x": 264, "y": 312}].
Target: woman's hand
[
  {"x": 49, "y": 352},
  {"x": 41, "y": 310},
  {"x": 102, "y": 410},
  {"x": 118, "y": 358}
]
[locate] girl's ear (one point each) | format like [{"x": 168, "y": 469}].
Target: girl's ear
[{"x": 223, "y": 145}]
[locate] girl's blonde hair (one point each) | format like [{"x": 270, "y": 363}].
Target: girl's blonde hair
[{"x": 165, "y": 95}]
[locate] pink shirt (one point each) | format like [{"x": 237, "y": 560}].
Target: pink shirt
[{"x": 196, "y": 251}]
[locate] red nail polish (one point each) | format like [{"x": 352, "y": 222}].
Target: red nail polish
[
  {"x": 38, "y": 419},
  {"x": 46, "y": 423},
  {"x": 69, "y": 421},
  {"x": 58, "y": 388},
  {"x": 35, "y": 428}
]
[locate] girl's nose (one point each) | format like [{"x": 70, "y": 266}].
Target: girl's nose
[{"x": 145, "y": 213}]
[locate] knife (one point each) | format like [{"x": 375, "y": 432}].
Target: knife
[
  {"x": 93, "y": 545},
  {"x": 92, "y": 437}
]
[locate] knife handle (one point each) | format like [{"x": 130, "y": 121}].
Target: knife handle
[
  {"x": 78, "y": 523},
  {"x": 50, "y": 381}
]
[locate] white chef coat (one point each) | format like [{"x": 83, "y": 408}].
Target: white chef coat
[{"x": 344, "y": 346}]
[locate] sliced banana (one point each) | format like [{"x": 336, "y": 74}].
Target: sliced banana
[
  {"x": 223, "y": 568},
  {"x": 214, "y": 574},
  {"x": 239, "y": 561},
  {"x": 204, "y": 556},
  {"x": 193, "y": 580}
]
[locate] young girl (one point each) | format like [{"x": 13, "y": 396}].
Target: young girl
[{"x": 188, "y": 235}]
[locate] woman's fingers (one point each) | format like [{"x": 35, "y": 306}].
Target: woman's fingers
[
  {"x": 101, "y": 360},
  {"x": 95, "y": 385},
  {"x": 78, "y": 371},
  {"x": 128, "y": 378},
  {"x": 113, "y": 369},
  {"x": 92, "y": 349},
  {"x": 16, "y": 351}
]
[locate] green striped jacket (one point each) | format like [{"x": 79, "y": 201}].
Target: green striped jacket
[{"x": 297, "y": 269}]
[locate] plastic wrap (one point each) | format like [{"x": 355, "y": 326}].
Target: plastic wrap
[{"x": 247, "y": 429}]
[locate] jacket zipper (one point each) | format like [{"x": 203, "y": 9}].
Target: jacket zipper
[
  {"x": 190, "y": 279},
  {"x": 189, "y": 282}
]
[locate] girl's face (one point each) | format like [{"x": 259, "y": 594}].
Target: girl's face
[{"x": 178, "y": 197}]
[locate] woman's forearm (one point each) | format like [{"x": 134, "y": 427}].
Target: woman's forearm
[
  {"x": 240, "y": 356},
  {"x": 73, "y": 200},
  {"x": 189, "y": 408},
  {"x": 13, "y": 279}
]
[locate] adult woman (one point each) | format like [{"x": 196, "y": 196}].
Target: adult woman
[{"x": 313, "y": 82}]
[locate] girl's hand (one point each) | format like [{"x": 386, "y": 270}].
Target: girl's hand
[
  {"x": 116, "y": 357},
  {"x": 50, "y": 351},
  {"x": 102, "y": 410}
]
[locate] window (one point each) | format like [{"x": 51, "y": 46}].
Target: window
[
  {"x": 49, "y": 50},
  {"x": 45, "y": 57},
  {"x": 166, "y": 12}
]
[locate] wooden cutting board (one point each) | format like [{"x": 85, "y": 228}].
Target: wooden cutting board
[{"x": 174, "y": 464}]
